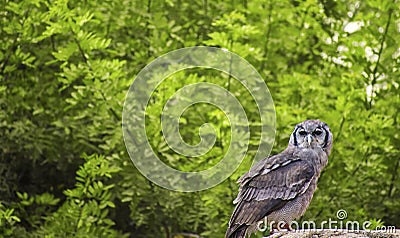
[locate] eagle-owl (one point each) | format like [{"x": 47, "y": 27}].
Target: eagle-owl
[{"x": 280, "y": 188}]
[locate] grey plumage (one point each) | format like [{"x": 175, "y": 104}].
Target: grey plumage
[{"x": 281, "y": 187}]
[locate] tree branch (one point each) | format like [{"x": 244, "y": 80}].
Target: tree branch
[{"x": 375, "y": 70}]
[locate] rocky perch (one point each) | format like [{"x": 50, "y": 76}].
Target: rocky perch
[{"x": 335, "y": 234}]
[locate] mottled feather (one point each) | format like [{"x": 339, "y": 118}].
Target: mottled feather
[{"x": 264, "y": 193}]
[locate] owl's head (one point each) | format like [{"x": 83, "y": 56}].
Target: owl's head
[{"x": 312, "y": 134}]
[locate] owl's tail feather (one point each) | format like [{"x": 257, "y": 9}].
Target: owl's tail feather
[{"x": 236, "y": 232}]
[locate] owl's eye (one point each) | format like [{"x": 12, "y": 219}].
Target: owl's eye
[
  {"x": 302, "y": 133},
  {"x": 317, "y": 132}
]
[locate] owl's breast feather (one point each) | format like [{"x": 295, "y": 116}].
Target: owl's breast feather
[{"x": 314, "y": 156}]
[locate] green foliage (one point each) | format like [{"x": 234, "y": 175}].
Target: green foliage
[
  {"x": 65, "y": 68},
  {"x": 7, "y": 220},
  {"x": 85, "y": 211}
]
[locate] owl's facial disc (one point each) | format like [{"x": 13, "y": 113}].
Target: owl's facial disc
[{"x": 310, "y": 136}]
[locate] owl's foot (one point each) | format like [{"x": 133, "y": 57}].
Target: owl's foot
[
  {"x": 285, "y": 227},
  {"x": 288, "y": 227}
]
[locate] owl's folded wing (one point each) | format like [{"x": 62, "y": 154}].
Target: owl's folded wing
[{"x": 269, "y": 190}]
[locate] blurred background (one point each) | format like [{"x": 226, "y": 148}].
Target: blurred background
[{"x": 66, "y": 66}]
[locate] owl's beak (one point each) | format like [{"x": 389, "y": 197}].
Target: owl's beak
[{"x": 309, "y": 139}]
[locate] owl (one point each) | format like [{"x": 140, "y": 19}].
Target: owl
[{"x": 279, "y": 189}]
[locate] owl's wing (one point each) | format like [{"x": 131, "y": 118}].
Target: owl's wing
[{"x": 267, "y": 187}]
